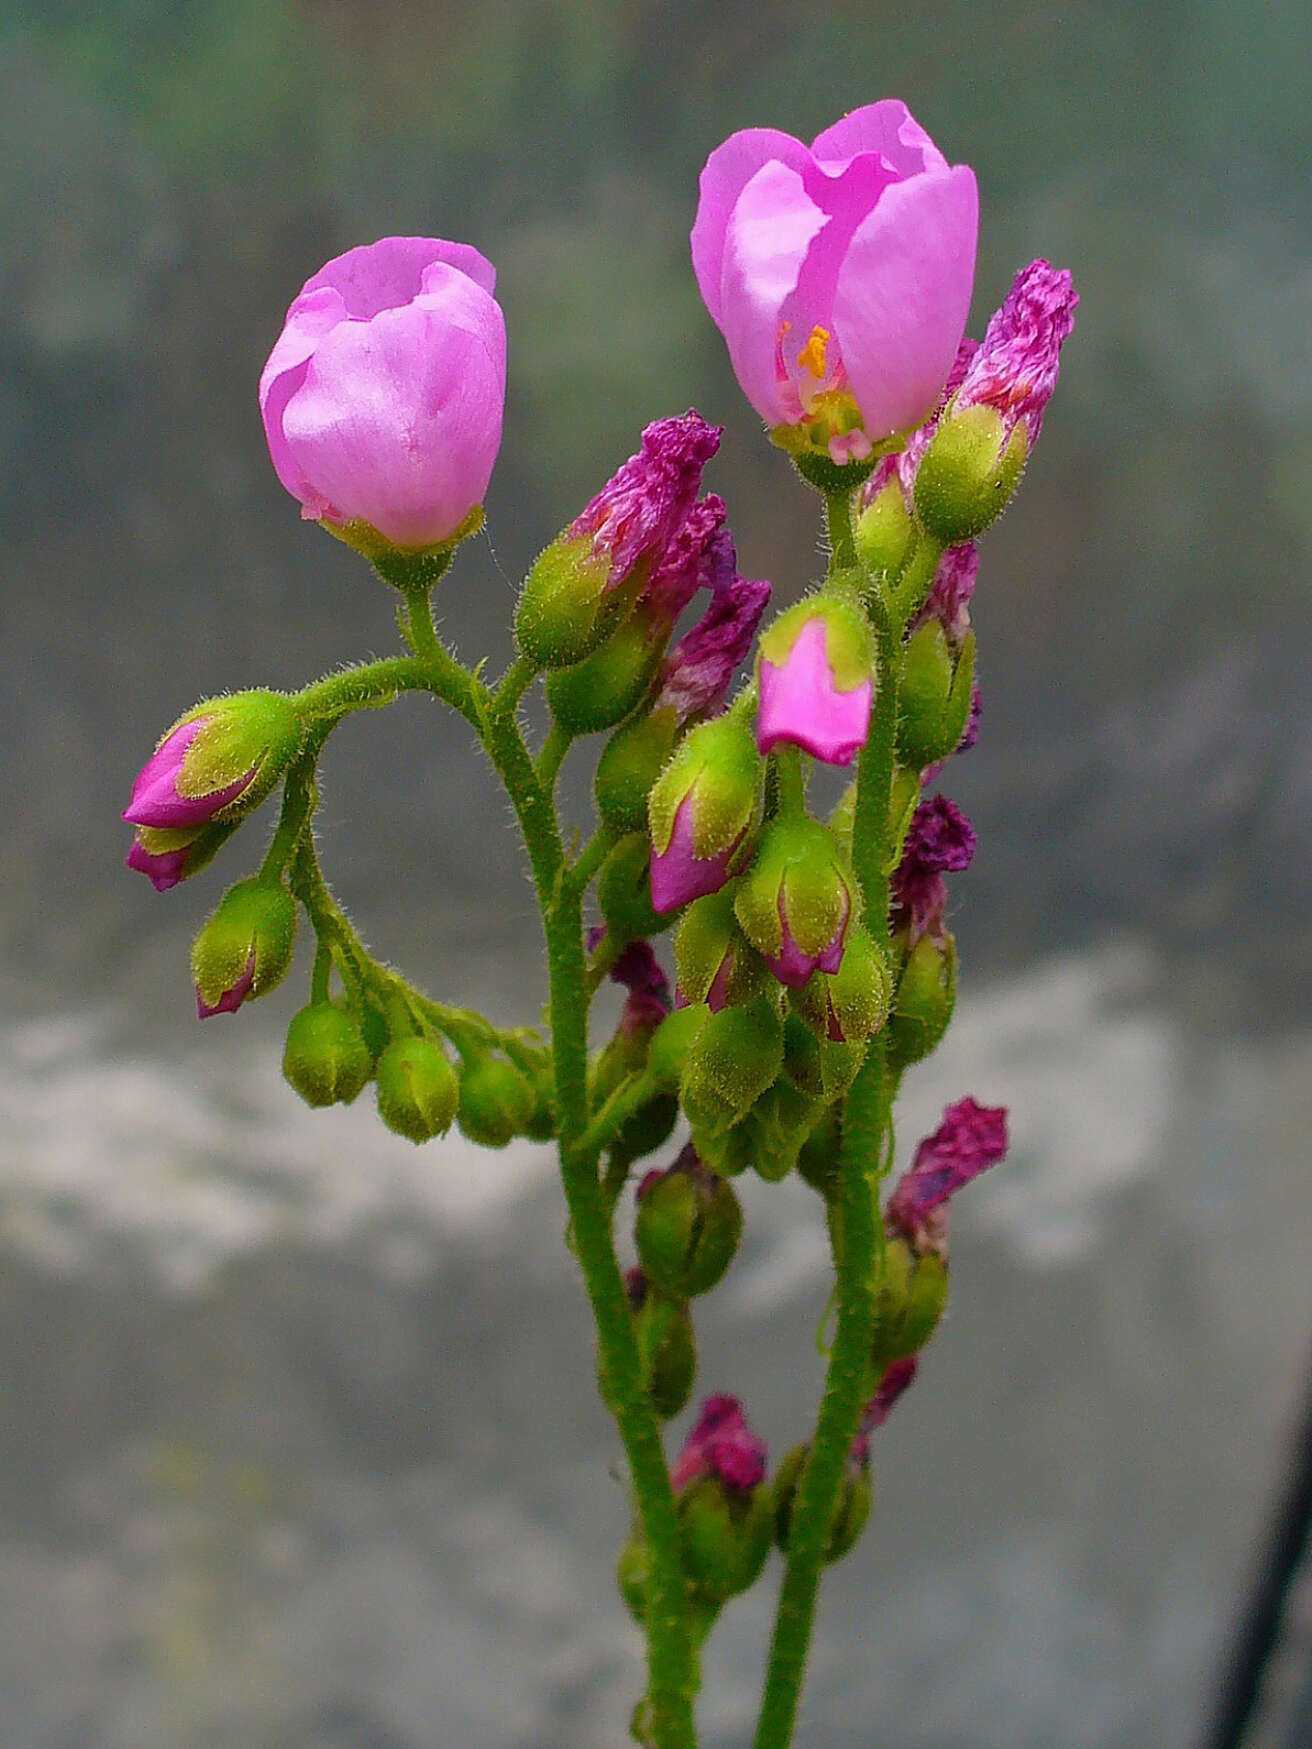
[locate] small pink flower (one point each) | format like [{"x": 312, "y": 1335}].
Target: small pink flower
[
  {"x": 382, "y": 399},
  {"x": 156, "y": 799},
  {"x": 801, "y": 702},
  {"x": 970, "y": 1139},
  {"x": 840, "y": 273},
  {"x": 1015, "y": 367},
  {"x": 722, "y": 1445}
]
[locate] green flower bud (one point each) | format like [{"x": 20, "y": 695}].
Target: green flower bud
[
  {"x": 777, "y": 1126},
  {"x": 926, "y": 995},
  {"x": 725, "y": 1535},
  {"x": 735, "y": 1057},
  {"x": 624, "y": 891},
  {"x": 852, "y": 1514},
  {"x": 884, "y": 530},
  {"x": 687, "y": 1227},
  {"x": 667, "y": 1054},
  {"x": 417, "y": 1089},
  {"x": 851, "y": 1003},
  {"x": 496, "y": 1101},
  {"x": 796, "y": 901},
  {"x": 967, "y": 475},
  {"x": 606, "y": 686},
  {"x": 630, "y": 763},
  {"x": 245, "y": 948},
  {"x": 701, "y": 810},
  {"x": 714, "y": 963},
  {"x": 667, "y": 1347},
  {"x": 935, "y": 698},
  {"x": 910, "y": 1302},
  {"x": 326, "y": 1058},
  {"x": 565, "y": 611}
]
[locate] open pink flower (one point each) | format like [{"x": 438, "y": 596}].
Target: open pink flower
[
  {"x": 382, "y": 399},
  {"x": 840, "y": 273}
]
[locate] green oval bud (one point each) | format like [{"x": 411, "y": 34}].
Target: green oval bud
[
  {"x": 966, "y": 477},
  {"x": 852, "y": 1514},
  {"x": 630, "y": 763},
  {"x": 801, "y": 876},
  {"x": 778, "y": 1125},
  {"x": 673, "y": 1039},
  {"x": 725, "y": 1536},
  {"x": 496, "y": 1101},
  {"x": 912, "y": 1297},
  {"x": 326, "y": 1058},
  {"x": 245, "y": 947},
  {"x": 607, "y": 685},
  {"x": 712, "y": 957},
  {"x": 417, "y": 1089},
  {"x": 624, "y": 891},
  {"x": 736, "y": 1056},
  {"x": 667, "y": 1349},
  {"x": 884, "y": 530},
  {"x": 688, "y": 1226},
  {"x": 561, "y": 613},
  {"x": 935, "y": 698},
  {"x": 922, "y": 1008}
]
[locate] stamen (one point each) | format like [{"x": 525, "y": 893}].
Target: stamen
[{"x": 812, "y": 355}]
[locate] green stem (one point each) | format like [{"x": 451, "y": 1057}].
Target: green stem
[
  {"x": 552, "y": 756},
  {"x": 589, "y": 860},
  {"x": 790, "y": 785},
  {"x": 842, "y": 542},
  {"x": 370, "y": 683},
  {"x": 858, "y": 1259}
]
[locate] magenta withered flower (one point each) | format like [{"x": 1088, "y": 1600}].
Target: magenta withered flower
[
  {"x": 699, "y": 555},
  {"x": 896, "y": 1380},
  {"x": 1014, "y": 369},
  {"x": 722, "y": 1445},
  {"x": 699, "y": 670},
  {"x": 382, "y": 399},
  {"x": 970, "y": 1139},
  {"x": 939, "y": 840},
  {"x": 839, "y": 274},
  {"x": 952, "y": 591},
  {"x": 816, "y": 681},
  {"x": 639, "y": 971},
  {"x": 640, "y": 509}
]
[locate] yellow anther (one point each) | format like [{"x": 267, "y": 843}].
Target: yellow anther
[{"x": 812, "y": 355}]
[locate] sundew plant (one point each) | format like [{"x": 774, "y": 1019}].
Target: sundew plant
[{"x": 783, "y": 964}]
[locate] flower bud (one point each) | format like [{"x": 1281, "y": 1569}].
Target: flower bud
[
  {"x": 776, "y": 1127},
  {"x": 671, "y": 1043},
  {"x": 417, "y": 1089},
  {"x": 910, "y": 1302},
  {"x": 796, "y": 900},
  {"x": 245, "y": 948},
  {"x": 883, "y": 529},
  {"x": 851, "y": 1003},
  {"x": 630, "y": 763},
  {"x": 815, "y": 674},
  {"x": 602, "y": 560},
  {"x": 700, "y": 810},
  {"x": 725, "y": 1515},
  {"x": 624, "y": 892},
  {"x": 934, "y": 702},
  {"x": 220, "y": 760},
  {"x": 983, "y": 438},
  {"x": 926, "y": 996},
  {"x": 715, "y": 964},
  {"x": 735, "y": 1056},
  {"x": 667, "y": 1348},
  {"x": 496, "y": 1101},
  {"x": 853, "y": 1509},
  {"x": 166, "y": 856},
  {"x": 687, "y": 1227},
  {"x": 326, "y": 1058},
  {"x": 606, "y": 686}
]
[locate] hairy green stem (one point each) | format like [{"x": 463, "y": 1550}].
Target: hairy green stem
[{"x": 858, "y": 1259}]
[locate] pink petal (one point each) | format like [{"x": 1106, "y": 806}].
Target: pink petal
[
  {"x": 800, "y": 705},
  {"x": 766, "y": 241},
  {"x": 314, "y": 314},
  {"x": 728, "y": 170},
  {"x": 887, "y": 127},
  {"x": 903, "y": 294},
  {"x": 389, "y": 273}
]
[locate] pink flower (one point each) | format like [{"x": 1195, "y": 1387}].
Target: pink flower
[
  {"x": 839, "y": 274},
  {"x": 802, "y": 702},
  {"x": 970, "y": 1139},
  {"x": 1014, "y": 369},
  {"x": 793, "y": 965},
  {"x": 382, "y": 399},
  {"x": 678, "y": 874},
  {"x": 157, "y": 799}
]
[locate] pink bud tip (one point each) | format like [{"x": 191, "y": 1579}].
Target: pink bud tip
[
  {"x": 678, "y": 874},
  {"x": 232, "y": 998},
  {"x": 800, "y": 703},
  {"x": 156, "y": 800},
  {"x": 721, "y": 1444}
]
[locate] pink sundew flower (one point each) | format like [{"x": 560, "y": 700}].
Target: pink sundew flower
[
  {"x": 382, "y": 399},
  {"x": 638, "y": 512},
  {"x": 232, "y": 998},
  {"x": 970, "y": 1139},
  {"x": 722, "y": 1445},
  {"x": 801, "y": 703},
  {"x": 156, "y": 799},
  {"x": 678, "y": 874},
  {"x": 1015, "y": 367},
  {"x": 840, "y": 273}
]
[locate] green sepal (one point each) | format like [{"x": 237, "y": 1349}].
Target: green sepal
[
  {"x": 734, "y": 1058},
  {"x": 565, "y": 609},
  {"x": 686, "y": 1229},
  {"x": 724, "y": 1535},
  {"x": 671, "y": 1044},
  {"x": 883, "y": 531},
  {"x": 708, "y": 930},
  {"x": 934, "y": 700},
  {"x": 624, "y": 891},
  {"x": 909, "y": 1304},
  {"x": 256, "y": 731},
  {"x": 966, "y": 476},
  {"x": 853, "y": 1002},
  {"x": 721, "y": 760},
  {"x": 777, "y": 1126},
  {"x": 849, "y": 642},
  {"x": 850, "y": 1517},
  {"x": 801, "y": 860},
  {"x": 254, "y": 916},
  {"x": 606, "y": 686},
  {"x": 922, "y": 1007},
  {"x": 630, "y": 763},
  {"x": 417, "y": 1089}
]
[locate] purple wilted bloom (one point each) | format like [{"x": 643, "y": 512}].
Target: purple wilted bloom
[
  {"x": 700, "y": 668},
  {"x": 940, "y": 839},
  {"x": 156, "y": 799},
  {"x": 639, "y": 971},
  {"x": 970, "y": 1139},
  {"x": 638, "y": 511},
  {"x": 970, "y": 734},
  {"x": 839, "y": 273},
  {"x": 231, "y": 999},
  {"x": 952, "y": 590},
  {"x": 699, "y": 555},
  {"x": 802, "y": 700},
  {"x": 896, "y": 1379},
  {"x": 1015, "y": 368},
  {"x": 382, "y": 399},
  {"x": 721, "y": 1444}
]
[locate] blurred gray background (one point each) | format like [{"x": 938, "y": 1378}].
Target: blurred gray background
[{"x": 298, "y": 1444}]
